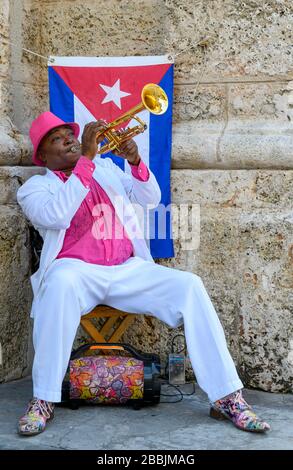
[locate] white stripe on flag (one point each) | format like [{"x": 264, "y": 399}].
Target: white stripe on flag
[
  {"x": 82, "y": 115},
  {"x": 142, "y": 140},
  {"x": 128, "y": 61}
]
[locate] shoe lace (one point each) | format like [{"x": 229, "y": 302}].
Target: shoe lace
[
  {"x": 44, "y": 408},
  {"x": 234, "y": 402},
  {"x": 239, "y": 400}
]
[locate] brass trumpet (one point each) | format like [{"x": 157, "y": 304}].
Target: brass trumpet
[{"x": 153, "y": 98}]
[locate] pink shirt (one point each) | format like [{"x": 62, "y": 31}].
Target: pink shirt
[{"x": 96, "y": 235}]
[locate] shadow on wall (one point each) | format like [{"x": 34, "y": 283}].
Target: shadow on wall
[{"x": 36, "y": 248}]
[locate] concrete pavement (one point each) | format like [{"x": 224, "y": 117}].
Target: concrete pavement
[{"x": 177, "y": 426}]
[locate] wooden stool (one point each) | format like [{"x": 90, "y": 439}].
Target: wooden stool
[{"x": 112, "y": 329}]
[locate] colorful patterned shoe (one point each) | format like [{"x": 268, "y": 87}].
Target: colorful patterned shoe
[
  {"x": 35, "y": 418},
  {"x": 235, "y": 408}
]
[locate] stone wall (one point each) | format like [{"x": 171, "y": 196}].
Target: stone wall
[
  {"x": 232, "y": 153},
  {"x": 14, "y": 284}
]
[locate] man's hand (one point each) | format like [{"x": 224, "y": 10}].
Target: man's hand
[
  {"x": 129, "y": 151},
  {"x": 89, "y": 142}
]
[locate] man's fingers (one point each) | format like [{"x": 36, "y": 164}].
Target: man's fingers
[
  {"x": 128, "y": 144},
  {"x": 129, "y": 147},
  {"x": 95, "y": 126}
]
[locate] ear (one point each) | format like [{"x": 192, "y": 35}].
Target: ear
[{"x": 41, "y": 156}]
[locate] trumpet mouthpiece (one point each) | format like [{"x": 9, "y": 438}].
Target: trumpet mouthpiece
[{"x": 74, "y": 148}]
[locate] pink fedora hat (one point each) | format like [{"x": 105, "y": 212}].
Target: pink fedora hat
[{"x": 41, "y": 126}]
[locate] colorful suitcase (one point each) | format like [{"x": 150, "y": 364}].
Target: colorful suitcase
[{"x": 94, "y": 377}]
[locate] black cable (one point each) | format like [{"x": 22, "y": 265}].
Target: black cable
[
  {"x": 165, "y": 380},
  {"x": 172, "y": 351},
  {"x": 181, "y": 394},
  {"x": 188, "y": 394},
  {"x": 173, "y": 395},
  {"x": 177, "y": 387},
  {"x": 172, "y": 344}
]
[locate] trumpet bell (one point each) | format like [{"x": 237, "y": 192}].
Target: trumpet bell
[{"x": 154, "y": 99}]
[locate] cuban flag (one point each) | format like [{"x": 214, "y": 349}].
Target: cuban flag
[{"x": 84, "y": 89}]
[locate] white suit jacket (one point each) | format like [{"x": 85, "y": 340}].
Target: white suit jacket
[{"x": 50, "y": 206}]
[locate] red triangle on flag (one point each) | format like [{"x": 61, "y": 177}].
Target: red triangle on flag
[{"x": 121, "y": 86}]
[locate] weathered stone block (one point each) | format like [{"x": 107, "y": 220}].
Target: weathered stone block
[
  {"x": 4, "y": 34},
  {"x": 234, "y": 144},
  {"x": 195, "y": 145},
  {"x": 266, "y": 314},
  {"x": 10, "y": 152},
  {"x": 260, "y": 101},
  {"x": 15, "y": 148},
  {"x": 32, "y": 101},
  {"x": 247, "y": 38},
  {"x": 266, "y": 144},
  {"x": 115, "y": 28},
  {"x": 15, "y": 293},
  {"x": 205, "y": 102},
  {"x": 11, "y": 178},
  {"x": 5, "y": 97}
]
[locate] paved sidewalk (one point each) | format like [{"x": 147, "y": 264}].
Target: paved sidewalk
[{"x": 184, "y": 425}]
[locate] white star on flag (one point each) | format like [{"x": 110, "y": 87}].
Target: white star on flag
[{"x": 114, "y": 94}]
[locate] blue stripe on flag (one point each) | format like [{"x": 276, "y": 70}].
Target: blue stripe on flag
[
  {"x": 61, "y": 97},
  {"x": 160, "y": 164}
]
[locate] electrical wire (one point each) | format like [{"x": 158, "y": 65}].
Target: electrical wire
[
  {"x": 164, "y": 377},
  {"x": 180, "y": 393},
  {"x": 172, "y": 344}
]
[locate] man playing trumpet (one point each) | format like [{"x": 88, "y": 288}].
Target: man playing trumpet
[{"x": 84, "y": 264}]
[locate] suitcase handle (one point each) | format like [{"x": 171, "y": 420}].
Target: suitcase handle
[
  {"x": 114, "y": 346},
  {"x": 107, "y": 347}
]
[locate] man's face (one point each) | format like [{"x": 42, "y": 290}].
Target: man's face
[{"x": 59, "y": 149}]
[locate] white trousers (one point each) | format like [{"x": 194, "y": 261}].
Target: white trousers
[{"x": 72, "y": 288}]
